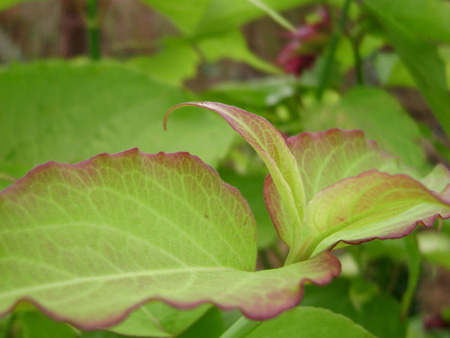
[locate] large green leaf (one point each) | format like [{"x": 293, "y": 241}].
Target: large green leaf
[
  {"x": 271, "y": 147},
  {"x": 33, "y": 324},
  {"x": 420, "y": 56},
  {"x": 71, "y": 111},
  {"x": 89, "y": 242},
  {"x": 428, "y": 19},
  {"x": 203, "y": 17},
  {"x": 309, "y": 322}
]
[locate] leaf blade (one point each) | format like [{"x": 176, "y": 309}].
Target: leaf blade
[
  {"x": 140, "y": 227},
  {"x": 372, "y": 205},
  {"x": 271, "y": 147}
]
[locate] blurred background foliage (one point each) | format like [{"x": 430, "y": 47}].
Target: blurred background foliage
[{"x": 81, "y": 77}]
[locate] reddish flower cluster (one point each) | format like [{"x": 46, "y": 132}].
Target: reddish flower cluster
[{"x": 305, "y": 44}]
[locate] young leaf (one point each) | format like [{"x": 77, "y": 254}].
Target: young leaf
[
  {"x": 372, "y": 205},
  {"x": 356, "y": 209},
  {"x": 89, "y": 242},
  {"x": 323, "y": 159},
  {"x": 271, "y": 147}
]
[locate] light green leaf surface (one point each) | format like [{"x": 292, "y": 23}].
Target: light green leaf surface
[
  {"x": 138, "y": 227},
  {"x": 427, "y": 19},
  {"x": 323, "y": 159},
  {"x": 421, "y": 57},
  {"x": 69, "y": 111},
  {"x": 371, "y": 205},
  {"x": 374, "y": 110},
  {"x": 174, "y": 63},
  {"x": 271, "y": 147},
  {"x": 309, "y": 322},
  {"x": 391, "y": 71},
  {"x": 203, "y": 17},
  {"x": 232, "y": 45}
]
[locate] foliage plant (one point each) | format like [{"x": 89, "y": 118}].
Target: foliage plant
[
  {"x": 222, "y": 240},
  {"x": 89, "y": 242}
]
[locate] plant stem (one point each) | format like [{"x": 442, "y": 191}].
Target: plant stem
[
  {"x": 412, "y": 251},
  {"x": 358, "y": 63},
  {"x": 93, "y": 26},
  {"x": 241, "y": 328},
  {"x": 332, "y": 50}
]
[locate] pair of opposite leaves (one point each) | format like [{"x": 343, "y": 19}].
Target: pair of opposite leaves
[{"x": 89, "y": 242}]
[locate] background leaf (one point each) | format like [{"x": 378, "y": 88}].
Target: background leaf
[
  {"x": 373, "y": 110},
  {"x": 70, "y": 111},
  {"x": 309, "y": 322},
  {"x": 421, "y": 57},
  {"x": 203, "y": 17}
]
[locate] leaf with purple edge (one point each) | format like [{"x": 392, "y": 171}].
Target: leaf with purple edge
[
  {"x": 272, "y": 148},
  {"x": 328, "y": 163},
  {"x": 371, "y": 205},
  {"x": 325, "y": 158},
  {"x": 88, "y": 243}
]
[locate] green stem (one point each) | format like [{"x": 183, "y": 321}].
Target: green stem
[
  {"x": 241, "y": 328},
  {"x": 323, "y": 80},
  {"x": 358, "y": 63},
  {"x": 93, "y": 25},
  {"x": 413, "y": 254}
]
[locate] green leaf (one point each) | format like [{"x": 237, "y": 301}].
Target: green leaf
[
  {"x": 204, "y": 17},
  {"x": 232, "y": 45},
  {"x": 421, "y": 57},
  {"x": 251, "y": 187},
  {"x": 348, "y": 153},
  {"x": 157, "y": 319},
  {"x": 378, "y": 314},
  {"x": 175, "y": 62},
  {"x": 427, "y": 19},
  {"x": 371, "y": 205},
  {"x": 69, "y": 111},
  {"x": 89, "y": 242},
  {"x": 309, "y": 322},
  {"x": 256, "y": 93},
  {"x": 33, "y": 324},
  {"x": 271, "y": 147},
  {"x": 371, "y": 110},
  {"x": 352, "y": 208}
]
